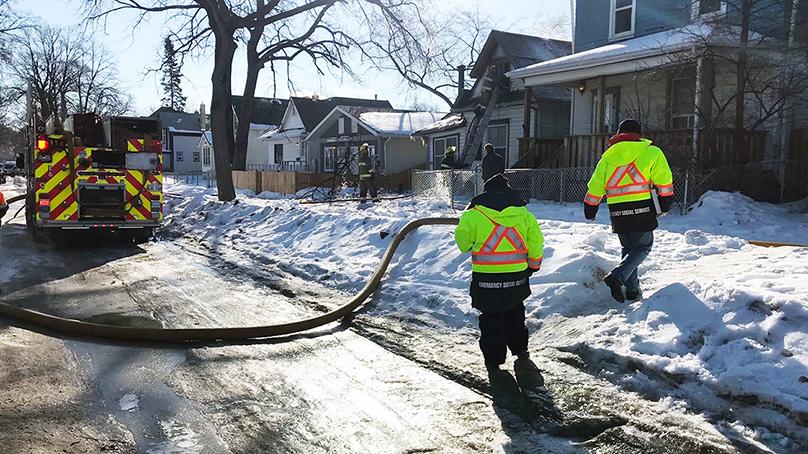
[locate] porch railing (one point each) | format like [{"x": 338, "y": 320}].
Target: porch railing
[{"x": 717, "y": 147}]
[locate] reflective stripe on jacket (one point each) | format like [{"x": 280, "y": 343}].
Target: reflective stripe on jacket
[
  {"x": 506, "y": 241},
  {"x": 365, "y": 169}
]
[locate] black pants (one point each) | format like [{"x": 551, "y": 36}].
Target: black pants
[
  {"x": 364, "y": 185},
  {"x": 502, "y": 331}
]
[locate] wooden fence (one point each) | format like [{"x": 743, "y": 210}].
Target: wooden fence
[
  {"x": 717, "y": 147},
  {"x": 292, "y": 182}
]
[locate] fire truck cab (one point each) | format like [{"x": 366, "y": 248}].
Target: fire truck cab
[{"x": 93, "y": 173}]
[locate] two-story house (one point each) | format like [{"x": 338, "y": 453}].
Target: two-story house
[
  {"x": 266, "y": 115},
  {"x": 180, "y": 138},
  {"x": 493, "y": 110},
  {"x": 672, "y": 65}
]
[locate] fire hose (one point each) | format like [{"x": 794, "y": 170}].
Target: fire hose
[{"x": 73, "y": 327}]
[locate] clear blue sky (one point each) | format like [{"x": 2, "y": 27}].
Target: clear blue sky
[{"x": 140, "y": 49}]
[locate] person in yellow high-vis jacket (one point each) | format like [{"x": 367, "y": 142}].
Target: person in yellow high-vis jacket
[
  {"x": 506, "y": 246},
  {"x": 635, "y": 177}
]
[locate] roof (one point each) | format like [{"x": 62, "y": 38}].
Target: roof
[
  {"x": 170, "y": 118},
  {"x": 660, "y": 44},
  {"x": 516, "y": 97},
  {"x": 266, "y": 111},
  {"x": 521, "y": 50},
  {"x": 399, "y": 123},
  {"x": 448, "y": 123},
  {"x": 312, "y": 111}
]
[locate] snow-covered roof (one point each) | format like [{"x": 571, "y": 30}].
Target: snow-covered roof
[
  {"x": 277, "y": 133},
  {"x": 208, "y": 136},
  {"x": 448, "y": 123},
  {"x": 399, "y": 123},
  {"x": 633, "y": 50},
  {"x": 184, "y": 131}
]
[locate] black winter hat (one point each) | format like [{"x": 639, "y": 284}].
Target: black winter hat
[
  {"x": 496, "y": 183},
  {"x": 629, "y": 126}
]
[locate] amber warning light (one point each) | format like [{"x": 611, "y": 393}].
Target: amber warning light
[{"x": 42, "y": 144}]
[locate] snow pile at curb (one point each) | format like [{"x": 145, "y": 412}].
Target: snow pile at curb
[{"x": 720, "y": 316}]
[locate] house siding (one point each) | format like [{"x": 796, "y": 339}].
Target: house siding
[
  {"x": 403, "y": 154},
  {"x": 592, "y": 19},
  {"x": 187, "y": 144}
]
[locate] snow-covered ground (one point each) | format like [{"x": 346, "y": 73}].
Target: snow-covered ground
[{"x": 722, "y": 318}]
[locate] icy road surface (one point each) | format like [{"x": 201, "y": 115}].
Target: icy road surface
[{"x": 405, "y": 374}]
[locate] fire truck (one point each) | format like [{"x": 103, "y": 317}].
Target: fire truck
[{"x": 91, "y": 173}]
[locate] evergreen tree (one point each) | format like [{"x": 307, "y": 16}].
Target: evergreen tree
[{"x": 172, "y": 76}]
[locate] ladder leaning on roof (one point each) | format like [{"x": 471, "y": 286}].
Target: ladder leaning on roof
[{"x": 478, "y": 126}]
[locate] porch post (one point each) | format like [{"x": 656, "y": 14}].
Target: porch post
[
  {"x": 528, "y": 107},
  {"x": 602, "y": 105}
]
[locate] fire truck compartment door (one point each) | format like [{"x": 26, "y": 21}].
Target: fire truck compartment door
[{"x": 142, "y": 161}]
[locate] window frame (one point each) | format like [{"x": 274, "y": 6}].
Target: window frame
[
  {"x": 679, "y": 74},
  {"x": 275, "y": 153},
  {"x": 613, "y": 10},
  {"x": 437, "y": 158},
  {"x": 206, "y": 152},
  {"x": 179, "y": 156},
  {"x": 329, "y": 152},
  {"x": 696, "y": 14},
  {"x": 196, "y": 156},
  {"x": 341, "y": 126},
  {"x": 506, "y": 149}
]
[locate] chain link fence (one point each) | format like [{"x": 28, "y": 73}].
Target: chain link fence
[
  {"x": 207, "y": 179},
  {"x": 766, "y": 181}
]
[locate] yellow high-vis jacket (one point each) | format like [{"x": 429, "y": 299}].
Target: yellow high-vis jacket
[
  {"x": 506, "y": 241},
  {"x": 626, "y": 174}
]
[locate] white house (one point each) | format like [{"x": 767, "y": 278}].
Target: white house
[
  {"x": 286, "y": 143},
  {"x": 336, "y": 139}
]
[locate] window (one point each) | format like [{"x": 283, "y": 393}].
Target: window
[
  {"x": 709, "y": 7},
  {"x": 206, "y": 156},
  {"x": 179, "y": 156},
  {"x": 196, "y": 156},
  {"x": 354, "y": 126},
  {"x": 278, "y": 152},
  {"x": 683, "y": 98},
  {"x": 329, "y": 158},
  {"x": 622, "y": 18},
  {"x": 439, "y": 146},
  {"x": 497, "y": 136},
  {"x": 341, "y": 126}
]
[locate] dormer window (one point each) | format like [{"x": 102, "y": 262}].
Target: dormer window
[
  {"x": 622, "y": 18},
  {"x": 702, "y": 8}
]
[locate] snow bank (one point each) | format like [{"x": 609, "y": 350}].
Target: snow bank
[{"x": 719, "y": 314}]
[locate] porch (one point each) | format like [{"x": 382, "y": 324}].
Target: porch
[{"x": 716, "y": 147}]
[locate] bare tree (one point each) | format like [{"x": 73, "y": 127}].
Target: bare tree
[
  {"x": 302, "y": 29},
  {"x": 222, "y": 21},
  {"x": 752, "y": 45},
  {"x": 428, "y": 54},
  {"x": 66, "y": 71}
]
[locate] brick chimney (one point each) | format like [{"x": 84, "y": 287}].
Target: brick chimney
[
  {"x": 203, "y": 118},
  {"x": 461, "y": 81}
]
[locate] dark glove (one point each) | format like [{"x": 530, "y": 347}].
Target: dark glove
[{"x": 590, "y": 211}]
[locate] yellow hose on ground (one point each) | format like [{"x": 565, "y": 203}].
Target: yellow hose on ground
[{"x": 72, "y": 327}]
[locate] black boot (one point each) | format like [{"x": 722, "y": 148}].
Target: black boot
[
  {"x": 527, "y": 373},
  {"x": 633, "y": 295},
  {"x": 616, "y": 288}
]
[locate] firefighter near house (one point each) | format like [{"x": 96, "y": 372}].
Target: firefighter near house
[{"x": 95, "y": 174}]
